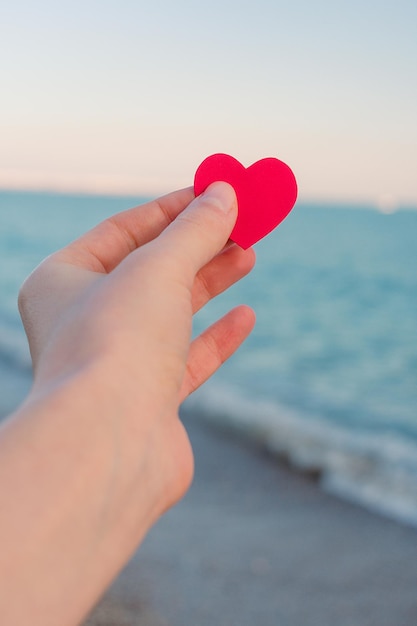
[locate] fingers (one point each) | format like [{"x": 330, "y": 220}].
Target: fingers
[
  {"x": 223, "y": 271},
  {"x": 194, "y": 235},
  {"x": 214, "y": 346},
  {"x": 105, "y": 246},
  {"x": 200, "y": 232}
]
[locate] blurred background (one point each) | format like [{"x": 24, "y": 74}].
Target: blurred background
[
  {"x": 129, "y": 97},
  {"x": 105, "y": 104}
]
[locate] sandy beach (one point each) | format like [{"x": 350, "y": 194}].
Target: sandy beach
[{"x": 255, "y": 543}]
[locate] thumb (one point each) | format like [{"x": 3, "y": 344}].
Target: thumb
[{"x": 202, "y": 229}]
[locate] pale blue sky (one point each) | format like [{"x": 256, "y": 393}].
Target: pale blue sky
[{"x": 131, "y": 96}]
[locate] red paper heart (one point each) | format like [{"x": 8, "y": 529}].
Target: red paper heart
[{"x": 266, "y": 192}]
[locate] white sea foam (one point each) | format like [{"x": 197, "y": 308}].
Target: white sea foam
[{"x": 377, "y": 470}]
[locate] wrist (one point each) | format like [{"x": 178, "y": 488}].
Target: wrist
[{"x": 83, "y": 428}]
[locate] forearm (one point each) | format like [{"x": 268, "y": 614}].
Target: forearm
[{"x": 68, "y": 520}]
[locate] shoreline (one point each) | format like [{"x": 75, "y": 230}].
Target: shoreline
[
  {"x": 364, "y": 469},
  {"x": 254, "y": 542}
]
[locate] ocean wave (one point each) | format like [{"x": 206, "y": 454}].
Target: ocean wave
[{"x": 377, "y": 470}]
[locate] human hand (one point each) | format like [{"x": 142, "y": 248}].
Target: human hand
[{"x": 114, "y": 308}]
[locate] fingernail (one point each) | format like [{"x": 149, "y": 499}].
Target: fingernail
[{"x": 222, "y": 195}]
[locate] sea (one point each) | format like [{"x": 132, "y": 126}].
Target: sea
[{"x": 328, "y": 379}]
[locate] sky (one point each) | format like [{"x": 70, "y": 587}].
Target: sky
[{"x": 130, "y": 96}]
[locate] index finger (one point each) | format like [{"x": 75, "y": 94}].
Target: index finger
[{"x": 102, "y": 248}]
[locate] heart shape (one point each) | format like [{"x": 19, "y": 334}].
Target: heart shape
[{"x": 266, "y": 192}]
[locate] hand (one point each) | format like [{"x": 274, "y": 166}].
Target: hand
[
  {"x": 120, "y": 300},
  {"x": 65, "y": 278},
  {"x": 99, "y": 440}
]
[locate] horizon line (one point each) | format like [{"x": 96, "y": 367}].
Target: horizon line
[{"x": 383, "y": 205}]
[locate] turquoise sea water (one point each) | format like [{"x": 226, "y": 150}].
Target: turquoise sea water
[{"x": 328, "y": 377}]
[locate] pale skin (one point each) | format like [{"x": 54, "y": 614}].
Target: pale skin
[{"x": 97, "y": 452}]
